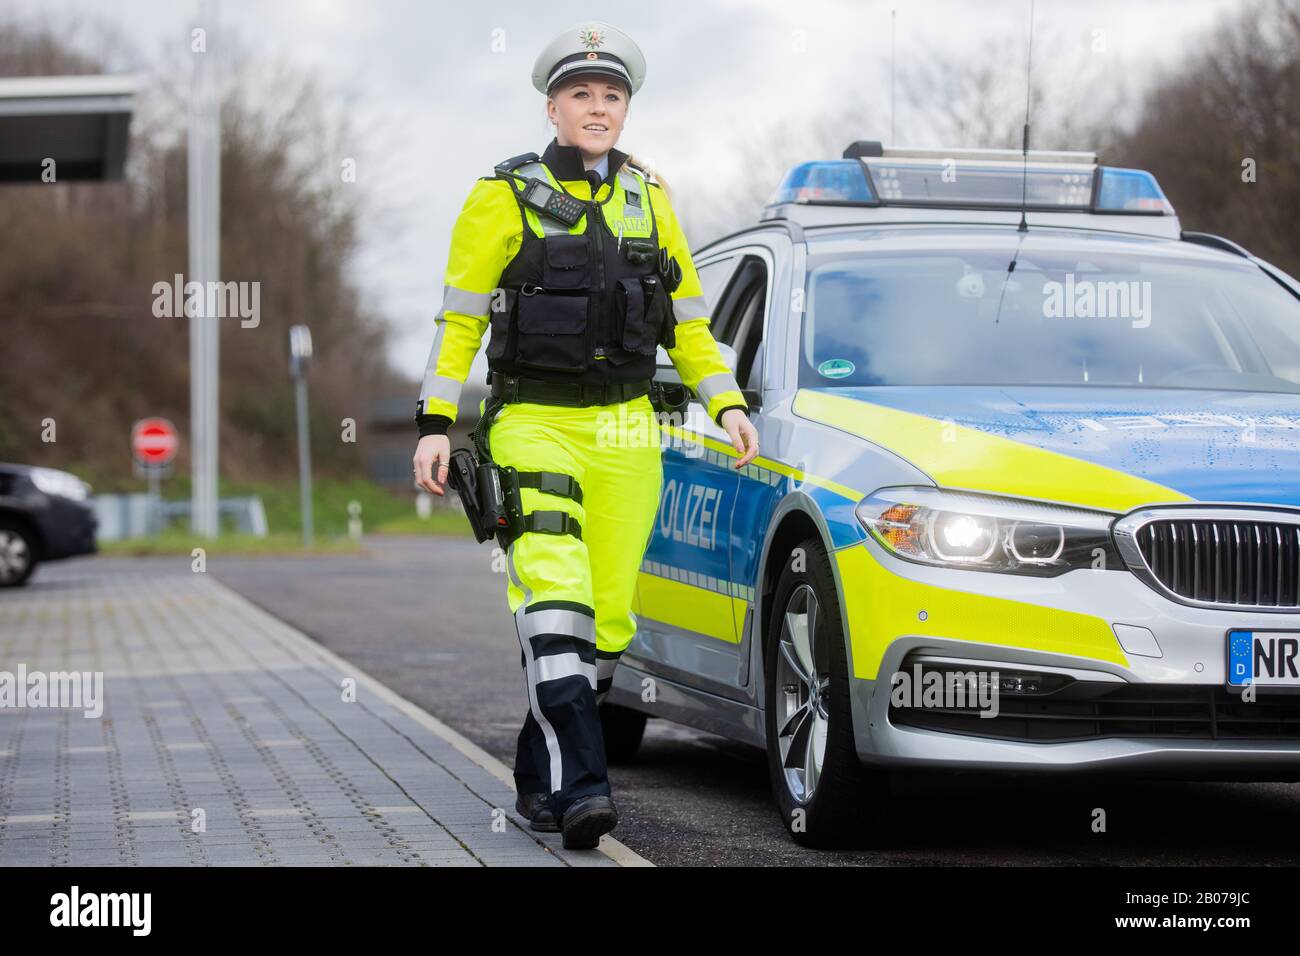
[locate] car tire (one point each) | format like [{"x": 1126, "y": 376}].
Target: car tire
[
  {"x": 17, "y": 553},
  {"x": 623, "y": 729},
  {"x": 849, "y": 803}
]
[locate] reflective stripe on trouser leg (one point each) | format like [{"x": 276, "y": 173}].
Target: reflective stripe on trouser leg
[{"x": 560, "y": 671}]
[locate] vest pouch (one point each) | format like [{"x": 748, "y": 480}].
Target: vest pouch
[
  {"x": 636, "y": 336},
  {"x": 568, "y": 263},
  {"x": 499, "y": 345},
  {"x": 660, "y": 319},
  {"x": 552, "y": 332}
]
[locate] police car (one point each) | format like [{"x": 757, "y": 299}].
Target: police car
[{"x": 1028, "y": 497}]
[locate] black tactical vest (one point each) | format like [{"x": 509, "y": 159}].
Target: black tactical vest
[{"x": 583, "y": 304}]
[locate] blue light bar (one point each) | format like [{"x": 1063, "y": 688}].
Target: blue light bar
[
  {"x": 1131, "y": 191},
  {"x": 963, "y": 183},
  {"x": 981, "y": 184},
  {"x": 833, "y": 180}
]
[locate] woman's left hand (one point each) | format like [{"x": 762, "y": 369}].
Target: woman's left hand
[{"x": 743, "y": 435}]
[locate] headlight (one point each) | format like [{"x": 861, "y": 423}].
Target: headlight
[
  {"x": 957, "y": 529},
  {"x": 60, "y": 483}
]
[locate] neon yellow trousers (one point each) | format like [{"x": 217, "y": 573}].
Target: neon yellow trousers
[{"x": 572, "y": 596}]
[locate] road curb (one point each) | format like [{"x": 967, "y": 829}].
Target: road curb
[{"x": 616, "y": 851}]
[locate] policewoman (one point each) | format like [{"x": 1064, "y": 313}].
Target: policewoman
[{"x": 577, "y": 265}]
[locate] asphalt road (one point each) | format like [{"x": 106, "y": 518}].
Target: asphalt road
[{"x": 428, "y": 617}]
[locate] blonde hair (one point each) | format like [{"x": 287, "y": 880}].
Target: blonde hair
[{"x": 651, "y": 174}]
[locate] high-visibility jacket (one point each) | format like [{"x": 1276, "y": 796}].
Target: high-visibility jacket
[{"x": 502, "y": 252}]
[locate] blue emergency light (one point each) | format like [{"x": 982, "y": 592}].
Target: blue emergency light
[
  {"x": 1131, "y": 191},
  {"x": 978, "y": 183}
]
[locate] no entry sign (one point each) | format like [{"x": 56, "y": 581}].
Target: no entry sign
[{"x": 154, "y": 441}]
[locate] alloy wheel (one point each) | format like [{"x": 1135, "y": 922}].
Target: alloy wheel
[{"x": 802, "y": 692}]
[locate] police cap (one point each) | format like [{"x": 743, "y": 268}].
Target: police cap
[{"x": 590, "y": 47}]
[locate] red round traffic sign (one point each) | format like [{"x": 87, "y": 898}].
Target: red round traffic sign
[{"x": 154, "y": 440}]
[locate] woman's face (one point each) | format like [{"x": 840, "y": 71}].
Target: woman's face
[{"x": 588, "y": 112}]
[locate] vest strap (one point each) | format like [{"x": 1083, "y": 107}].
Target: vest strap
[{"x": 514, "y": 162}]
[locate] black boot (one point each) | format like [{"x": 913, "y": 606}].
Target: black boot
[
  {"x": 586, "y": 820},
  {"x": 537, "y": 808}
]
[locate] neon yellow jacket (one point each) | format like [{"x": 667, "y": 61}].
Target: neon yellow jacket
[{"x": 487, "y": 235}]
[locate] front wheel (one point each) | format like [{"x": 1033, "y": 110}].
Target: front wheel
[{"x": 826, "y": 796}]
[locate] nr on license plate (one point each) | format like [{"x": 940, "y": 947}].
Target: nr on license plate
[{"x": 1264, "y": 658}]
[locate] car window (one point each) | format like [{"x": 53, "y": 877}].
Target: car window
[
  {"x": 1063, "y": 317},
  {"x": 713, "y": 279},
  {"x": 747, "y": 330}
]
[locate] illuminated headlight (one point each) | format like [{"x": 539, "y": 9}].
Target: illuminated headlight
[
  {"x": 59, "y": 483},
  {"x": 958, "y": 529}
]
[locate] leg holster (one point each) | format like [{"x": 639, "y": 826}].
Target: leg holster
[{"x": 514, "y": 522}]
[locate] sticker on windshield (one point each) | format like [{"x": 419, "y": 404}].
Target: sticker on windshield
[{"x": 835, "y": 368}]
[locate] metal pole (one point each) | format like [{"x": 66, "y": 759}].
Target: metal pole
[
  {"x": 155, "y": 497},
  {"x": 304, "y": 460},
  {"x": 204, "y": 266}
]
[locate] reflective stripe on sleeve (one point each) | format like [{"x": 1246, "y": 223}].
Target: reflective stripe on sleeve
[
  {"x": 690, "y": 308},
  {"x": 711, "y": 386},
  {"x": 467, "y": 303}
]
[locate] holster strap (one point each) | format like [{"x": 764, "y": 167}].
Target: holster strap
[
  {"x": 553, "y": 522},
  {"x": 553, "y": 483}
]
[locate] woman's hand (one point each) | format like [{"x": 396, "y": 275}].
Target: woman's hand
[
  {"x": 743, "y": 435},
  {"x": 433, "y": 451}
]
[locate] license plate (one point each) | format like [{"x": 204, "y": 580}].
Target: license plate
[{"x": 1264, "y": 658}]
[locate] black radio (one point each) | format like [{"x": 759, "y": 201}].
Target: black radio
[{"x": 548, "y": 201}]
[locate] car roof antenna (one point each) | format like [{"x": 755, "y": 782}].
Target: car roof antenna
[
  {"x": 1023, "y": 228},
  {"x": 1024, "y": 178}
]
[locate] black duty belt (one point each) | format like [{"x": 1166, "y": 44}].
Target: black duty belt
[{"x": 574, "y": 394}]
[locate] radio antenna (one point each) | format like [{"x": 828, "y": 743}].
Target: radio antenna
[
  {"x": 893, "y": 18},
  {"x": 1023, "y": 228},
  {"x": 1029, "y": 79}
]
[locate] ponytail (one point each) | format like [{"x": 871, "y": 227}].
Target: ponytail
[{"x": 652, "y": 173}]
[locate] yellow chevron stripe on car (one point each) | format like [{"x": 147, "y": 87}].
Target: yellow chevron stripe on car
[
  {"x": 880, "y": 607},
  {"x": 957, "y": 456},
  {"x": 763, "y": 468},
  {"x": 686, "y": 606}
]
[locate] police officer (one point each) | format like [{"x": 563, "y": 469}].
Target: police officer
[{"x": 576, "y": 262}]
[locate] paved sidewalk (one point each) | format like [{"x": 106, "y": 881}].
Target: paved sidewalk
[{"x": 215, "y": 711}]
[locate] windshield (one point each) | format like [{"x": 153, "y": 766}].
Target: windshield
[{"x": 1068, "y": 315}]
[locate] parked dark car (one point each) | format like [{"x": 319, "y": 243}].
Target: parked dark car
[{"x": 45, "y": 515}]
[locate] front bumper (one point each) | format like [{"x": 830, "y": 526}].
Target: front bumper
[
  {"x": 898, "y": 613},
  {"x": 68, "y": 528}
]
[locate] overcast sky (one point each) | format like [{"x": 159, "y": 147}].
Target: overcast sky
[{"x": 451, "y": 81}]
